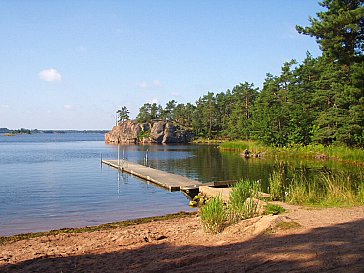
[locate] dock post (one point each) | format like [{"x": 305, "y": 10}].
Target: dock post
[
  {"x": 119, "y": 155},
  {"x": 146, "y": 158}
]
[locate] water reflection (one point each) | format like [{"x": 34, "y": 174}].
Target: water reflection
[{"x": 206, "y": 163}]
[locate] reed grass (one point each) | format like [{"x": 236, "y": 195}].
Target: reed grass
[
  {"x": 242, "y": 203},
  {"x": 337, "y": 152},
  {"x": 294, "y": 186},
  {"x": 213, "y": 215},
  {"x": 242, "y": 145},
  {"x": 276, "y": 185},
  {"x": 329, "y": 190},
  {"x": 334, "y": 152}
]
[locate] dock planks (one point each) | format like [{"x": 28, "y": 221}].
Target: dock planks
[{"x": 170, "y": 181}]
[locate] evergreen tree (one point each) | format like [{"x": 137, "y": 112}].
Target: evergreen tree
[
  {"x": 123, "y": 114},
  {"x": 339, "y": 96},
  {"x": 240, "y": 119}
]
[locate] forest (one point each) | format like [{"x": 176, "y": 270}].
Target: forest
[{"x": 319, "y": 100}]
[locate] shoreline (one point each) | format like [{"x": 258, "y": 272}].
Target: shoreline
[
  {"x": 101, "y": 227},
  {"x": 307, "y": 240}
]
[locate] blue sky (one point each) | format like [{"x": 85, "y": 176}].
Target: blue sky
[{"x": 72, "y": 64}]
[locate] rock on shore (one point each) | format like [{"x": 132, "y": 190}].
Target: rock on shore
[{"x": 159, "y": 131}]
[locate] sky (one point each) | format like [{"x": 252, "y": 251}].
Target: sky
[{"x": 71, "y": 64}]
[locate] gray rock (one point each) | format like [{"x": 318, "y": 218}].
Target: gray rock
[{"x": 131, "y": 131}]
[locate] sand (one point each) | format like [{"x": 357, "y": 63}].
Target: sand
[{"x": 326, "y": 240}]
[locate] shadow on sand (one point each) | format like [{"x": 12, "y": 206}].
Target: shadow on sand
[{"x": 338, "y": 248}]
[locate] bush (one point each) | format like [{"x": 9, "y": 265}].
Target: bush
[{"x": 213, "y": 215}]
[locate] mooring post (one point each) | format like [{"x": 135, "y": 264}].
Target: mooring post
[
  {"x": 146, "y": 157},
  {"x": 118, "y": 155}
]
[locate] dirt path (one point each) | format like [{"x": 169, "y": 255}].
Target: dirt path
[{"x": 326, "y": 240}]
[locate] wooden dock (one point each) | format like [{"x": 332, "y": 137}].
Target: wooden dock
[{"x": 170, "y": 181}]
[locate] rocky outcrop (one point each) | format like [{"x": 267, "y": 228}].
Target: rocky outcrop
[{"x": 131, "y": 131}]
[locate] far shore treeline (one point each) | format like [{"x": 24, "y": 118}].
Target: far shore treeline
[
  {"x": 320, "y": 100},
  {"x": 36, "y": 131}
]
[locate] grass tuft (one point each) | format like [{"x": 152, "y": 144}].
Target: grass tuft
[
  {"x": 274, "y": 209},
  {"x": 213, "y": 215},
  {"x": 242, "y": 202}
]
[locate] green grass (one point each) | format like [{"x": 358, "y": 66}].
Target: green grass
[
  {"x": 108, "y": 226},
  {"x": 213, "y": 215},
  {"x": 242, "y": 145},
  {"x": 241, "y": 202},
  {"x": 354, "y": 155},
  {"x": 328, "y": 190},
  {"x": 333, "y": 152},
  {"x": 287, "y": 225},
  {"x": 276, "y": 188},
  {"x": 239, "y": 193},
  {"x": 273, "y": 209}
]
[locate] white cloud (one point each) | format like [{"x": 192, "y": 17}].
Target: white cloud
[
  {"x": 67, "y": 106},
  {"x": 157, "y": 83},
  {"x": 4, "y": 106},
  {"x": 149, "y": 85},
  {"x": 175, "y": 94},
  {"x": 50, "y": 75},
  {"x": 155, "y": 100},
  {"x": 143, "y": 85}
]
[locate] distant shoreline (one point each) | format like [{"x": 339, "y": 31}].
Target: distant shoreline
[{"x": 9, "y": 132}]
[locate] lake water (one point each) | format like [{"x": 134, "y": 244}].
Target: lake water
[{"x": 51, "y": 181}]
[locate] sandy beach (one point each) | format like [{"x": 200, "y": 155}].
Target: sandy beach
[{"x": 330, "y": 239}]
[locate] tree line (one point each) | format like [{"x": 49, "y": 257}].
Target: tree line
[{"x": 320, "y": 100}]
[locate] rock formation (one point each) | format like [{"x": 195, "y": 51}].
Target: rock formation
[{"x": 131, "y": 131}]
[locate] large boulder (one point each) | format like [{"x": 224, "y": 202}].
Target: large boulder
[
  {"x": 155, "y": 132},
  {"x": 124, "y": 132}
]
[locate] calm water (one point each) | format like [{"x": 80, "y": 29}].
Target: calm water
[{"x": 50, "y": 181}]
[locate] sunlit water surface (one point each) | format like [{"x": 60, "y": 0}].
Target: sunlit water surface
[{"x": 51, "y": 181}]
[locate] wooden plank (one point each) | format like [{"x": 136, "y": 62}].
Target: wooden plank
[
  {"x": 221, "y": 183},
  {"x": 170, "y": 181}
]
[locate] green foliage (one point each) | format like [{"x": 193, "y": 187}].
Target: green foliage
[
  {"x": 242, "y": 203},
  {"x": 149, "y": 112},
  {"x": 326, "y": 190},
  {"x": 318, "y": 101},
  {"x": 276, "y": 185},
  {"x": 339, "y": 30},
  {"x": 273, "y": 209},
  {"x": 234, "y": 145},
  {"x": 339, "y": 152},
  {"x": 144, "y": 134},
  {"x": 123, "y": 114},
  {"x": 213, "y": 215},
  {"x": 239, "y": 193}
]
